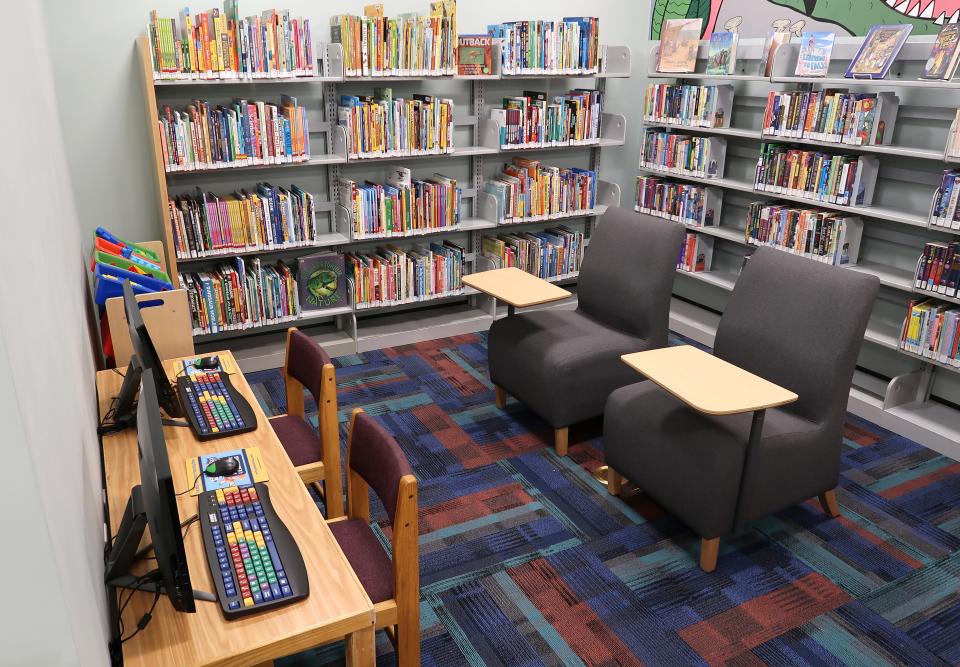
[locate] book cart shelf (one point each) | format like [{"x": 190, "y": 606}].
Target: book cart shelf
[
  {"x": 892, "y": 385},
  {"x": 354, "y": 329}
]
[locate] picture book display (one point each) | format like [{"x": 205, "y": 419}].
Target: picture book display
[
  {"x": 322, "y": 281},
  {"x": 251, "y": 469},
  {"x": 722, "y": 57},
  {"x": 775, "y": 39},
  {"x": 944, "y": 54},
  {"x": 878, "y": 51},
  {"x": 679, "y": 43},
  {"x": 474, "y": 55},
  {"x": 815, "y": 51}
]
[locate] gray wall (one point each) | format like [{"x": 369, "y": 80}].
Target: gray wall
[
  {"x": 53, "y": 609},
  {"x": 101, "y": 95}
]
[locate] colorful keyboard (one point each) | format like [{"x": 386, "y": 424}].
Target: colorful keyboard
[
  {"x": 214, "y": 407},
  {"x": 254, "y": 561}
]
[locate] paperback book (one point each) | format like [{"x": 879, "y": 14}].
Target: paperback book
[
  {"x": 392, "y": 275},
  {"x": 568, "y": 46},
  {"x": 831, "y": 238},
  {"x": 836, "y": 179},
  {"x": 878, "y": 51},
  {"x": 534, "y": 119},
  {"x": 683, "y": 154},
  {"x": 722, "y": 57},
  {"x": 679, "y": 43},
  {"x": 944, "y": 54},
  {"x": 401, "y": 206},
  {"x": 322, "y": 281},
  {"x": 815, "y": 51},
  {"x": 932, "y": 330},
  {"x": 938, "y": 270},
  {"x": 381, "y": 125},
  {"x": 527, "y": 190},
  {"x": 699, "y": 106},
  {"x": 552, "y": 254},
  {"x": 689, "y": 204},
  {"x": 832, "y": 115}
]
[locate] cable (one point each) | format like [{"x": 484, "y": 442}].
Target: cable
[
  {"x": 193, "y": 486},
  {"x": 142, "y": 554},
  {"x": 144, "y": 620},
  {"x": 117, "y": 371}
]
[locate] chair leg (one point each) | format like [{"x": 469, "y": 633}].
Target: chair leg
[
  {"x": 709, "y": 550},
  {"x": 501, "y": 397},
  {"x": 614, "y": 482},
  {"x": 561, "y": 440},
  {"x": 828, "y": 500},
  {"x": 408, "y": 643}
]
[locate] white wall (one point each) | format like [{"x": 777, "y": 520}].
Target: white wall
[
  {"x": 53, "y": 607},
  {"x": 102, "y": 111}
]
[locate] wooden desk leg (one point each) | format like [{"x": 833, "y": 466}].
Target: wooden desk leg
[
  {"x": 709, "y": 550},
  {"x": 756, "y": 430},
  {"x": 361, "y": 650},
  {"x": 561, "y": 440}
]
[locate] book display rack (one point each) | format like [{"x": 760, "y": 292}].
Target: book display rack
[
  {"x": 892, "y": 188},
  {"x": 323, "y": 220}
]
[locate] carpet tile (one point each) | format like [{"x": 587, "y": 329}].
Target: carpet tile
[{"x": 526, "y": 560}]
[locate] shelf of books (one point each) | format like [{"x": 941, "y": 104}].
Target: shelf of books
[
  {"x": 816, "y": 147},
  {"x": 286, "y": 204}
]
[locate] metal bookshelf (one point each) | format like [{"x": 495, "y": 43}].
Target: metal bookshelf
[
  {"x": 896, "y": 224},
  {"x": 351, "y": 330}
]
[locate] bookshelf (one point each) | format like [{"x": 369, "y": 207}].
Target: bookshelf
[
  {"x": 896, "y": 223},
  {"x": 354, "y": 329}
]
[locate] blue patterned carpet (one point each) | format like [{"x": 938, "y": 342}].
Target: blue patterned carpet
[{"x": 526, "y": 560}]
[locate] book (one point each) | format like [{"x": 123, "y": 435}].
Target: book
[
  {"x": 815, "y": 50},
  {"x": 376, "y": 45},
  {"x": 931, "y": 330},
  {"x": 534, "y": 119},
  {"x": 679, "y": 43},
  {"x": 953, "y": 137},
  {"x": 832, "y": 115},
  {"x": 938, "y": 269},
  {"x": 878, "y": 51},
  {"x": 250, "y": 469},
  {"x": 322, "y": 281},
  {"x": 474, "y": 55},
  {"x": 690, "y": 105},
  {"x": 775, "y": 39},
  {"x": 382, "y": 125},
  {"x": 722, "y": 57},
  {"x": 552, "y": 254},
  {"x": 528, "y": 190},
  {"x": 402, "y": 206},
  {"x": 831, "y": 238},
  {"x": 683, "y": 154},
  {"x": 696, "y": 253},
  {"x": 945, "y": 212},
  {"x": 567, "y": 46},
  {"x": 393, "y": 275},
  {"x": 815, "y": 175},
  {"x": 689, "y": 204},
  {"x": 944, "y": 54}
]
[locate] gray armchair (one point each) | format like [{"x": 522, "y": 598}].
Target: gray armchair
[
  {"x": 564, "y": 364},
  {"x": 794, "y": 322}
]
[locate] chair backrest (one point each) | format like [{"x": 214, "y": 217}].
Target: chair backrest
[
  {"x": 167, "y": 317},
  {"x": 375, "y": 456},
  {"x": 798, "y": 323},
  {"x": 627, "y": 273},
  {"x": 305, "y": 360}
]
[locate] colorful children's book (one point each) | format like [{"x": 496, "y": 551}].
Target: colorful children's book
[
  {"x": 878, "y": 51},
  {"x": 723, "y": 53},
  {"x": 474, "y": 55},
  {"x": 815, "y": 50},
  {"x": 774, "y": 41},
  {"x": 251, "y": 468},
  {"x": 322, "y": 282},
  {"x": 944, "y": 55},
  {"x": 679, "y": 42}
]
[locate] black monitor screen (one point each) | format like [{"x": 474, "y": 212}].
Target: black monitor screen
[
  {"x": 160, "y": 500},
  {"x": 146, "y": 352}
]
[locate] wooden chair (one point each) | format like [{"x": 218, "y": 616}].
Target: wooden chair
[
  {"x": 167, "y": 317},
  {"x": 308, "y": 366},
  {"x": 375, "y": 460}
]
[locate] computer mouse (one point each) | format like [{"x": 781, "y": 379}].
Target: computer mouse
[
  {"x": 208, "y": 363},
  {"x": 225, "y": 467}
]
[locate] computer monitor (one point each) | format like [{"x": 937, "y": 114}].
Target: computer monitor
[
  {"x": 145, "y": 350},
  {"x": 153, "y": 504},
  {"x": 123, "y": 413}
]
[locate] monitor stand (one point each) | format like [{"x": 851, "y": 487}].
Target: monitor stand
[{"x": 123, "y": 554}]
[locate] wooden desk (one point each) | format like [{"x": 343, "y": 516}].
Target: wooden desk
[
  {"x": 337, "y": 607},
  {"x": 715, "y": 387},
  {"x": 515, "y": 287}
]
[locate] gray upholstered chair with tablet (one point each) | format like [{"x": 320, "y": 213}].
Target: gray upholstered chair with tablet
[
  {"x": 563, "y": 364},
  {"x": 794, "y": 322}
]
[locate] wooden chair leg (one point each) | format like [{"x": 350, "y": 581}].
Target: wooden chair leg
[
  {"x": 614, "y": 482},
  {"x": 500, "y": 396},
  {"x": 828, "y": 500},
  {"x": 709, "y": 550},
  {"x": 561, "y": 440},
  {"x": 408, "y": 642}
]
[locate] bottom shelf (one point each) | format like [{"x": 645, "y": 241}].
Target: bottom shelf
[{"x": 415, "y": 326}]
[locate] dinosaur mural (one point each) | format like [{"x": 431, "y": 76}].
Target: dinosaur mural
[{"x": 753, "y": 18}]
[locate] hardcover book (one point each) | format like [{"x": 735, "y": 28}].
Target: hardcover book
[
  {"x": 679, "y": 42},
  {"x": 774, "y": 41},
  {"x": 474, "y": 55},
  {"x": 878, "y": 51},
  {"x": 815, "y": 50},
  {"x": 322, "y": 281},
  {"x": 723, "y": 53},
  {"x": 944, "y": 55}
]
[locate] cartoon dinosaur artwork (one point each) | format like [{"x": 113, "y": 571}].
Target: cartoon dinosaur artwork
[{"x": 855, "y": 17}]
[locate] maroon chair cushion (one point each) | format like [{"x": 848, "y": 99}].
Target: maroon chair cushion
[
  {"x": 378, "y": 459},
  {"x": 299, "y": 440},
  {"x": 367, "y": 557},
  {"x": 305, "y": 362}
]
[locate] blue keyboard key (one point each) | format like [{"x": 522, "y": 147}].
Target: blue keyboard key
[
  {"x": 275, "y": 589},
  {"x": 257, "y": 598},
  {"x": 235, "y": 604},
  {"x": 286, "y": 590}
]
